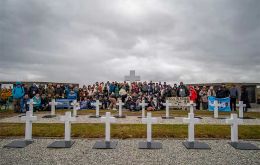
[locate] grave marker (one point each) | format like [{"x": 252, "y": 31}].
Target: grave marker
[
  {"x": 53, "y": 103},
  {"x": 107, "y": 144},
  {"x": 66, "y": 143},
  {"x": 167, "y": 106},
  {"x": 149, "y": 144},
  {"x": 120, "y": 104},
  {"x": 216, "y": 106},
  {"x": 143, "y": 104},
  {"x": 241, "y": 109},
  {"x": 191, "y": 143},
  {"x": 75, "y": 105},
  {"x": 29, "y": 118},
  {"x": 97, "y": 104},
  {"x": 234, "y": 122}
]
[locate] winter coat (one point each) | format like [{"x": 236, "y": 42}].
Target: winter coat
[{"x": 18, "y": 92}]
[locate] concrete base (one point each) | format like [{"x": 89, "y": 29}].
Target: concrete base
[
  {"x": 243, "y": 146},
  {"x": 117, "y": 116},
  {"x": 22, "y": 115},
  {"x": 196, "y": 145},
  {"x": 19, "y": 144},
  {"x": 61, "y": 144},
  {"x": 141, "y": 117},
  {"x": 247, "y": 118},
  {"x": 94, "y": 116},
  {"x": 170, "y": 117},
  {"x": 149, "y": 145},
  {"x": 49, "y": 116},
  {"x": 104, "y": 145},
  {"x": 198, "y": 117},
  {"x": 220, "y": 118}
]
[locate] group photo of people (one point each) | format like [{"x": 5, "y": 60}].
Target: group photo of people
[{"x": 109, "y": 93}]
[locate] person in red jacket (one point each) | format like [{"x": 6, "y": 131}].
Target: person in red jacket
[{"x": 193, "y": 94}]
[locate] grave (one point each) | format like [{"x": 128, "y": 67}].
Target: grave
[
  {"x": 66, "y": 143},
  {"x": 132, "y": 77},
  {"x": 216, "y": 105},
  {"x": 120, "y": 104},
  {"x": 149, "y": 144},
  {"x": 29, "y": 118},
  {"x": 191, "y": 104},
  {"x": 30, "y": 103},
  {"x": 52, "y": 104},
  {"x": 143, "y": 104},
  {"x": 75, "y": 105},
  {"x": 241, "y": 107},
  {"x": 107, "y": 144},
  {"x": 167, "y": 106},
  {"x": 234, "y": 122},
  {"x": 191, "y": 143},
  {"x": 97, "y": 104}
]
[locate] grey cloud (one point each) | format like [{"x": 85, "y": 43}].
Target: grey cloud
[{"x": 88, "y": 41}]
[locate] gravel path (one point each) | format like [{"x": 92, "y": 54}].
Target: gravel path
[
  {"x": 173, "y": 152},
  {"x": 127, "y": 120}
]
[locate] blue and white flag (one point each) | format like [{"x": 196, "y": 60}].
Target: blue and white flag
[{"x": 224, "y": 104}]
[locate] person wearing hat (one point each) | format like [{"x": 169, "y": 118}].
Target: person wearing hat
[{"x": 17, "y": 93}]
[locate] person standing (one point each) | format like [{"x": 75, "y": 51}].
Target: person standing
[
  {"x": 198, "y": 100},
  {"x": 18, "y": 93},
  {"x": 244, "y": 98},
  {"x": 233, "y": 97},
  {"x": 182, "y": 90},
  {"x": 204, "y": 98},
  {"x": 193, "y": 94}
]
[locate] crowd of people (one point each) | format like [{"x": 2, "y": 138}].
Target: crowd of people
[{"x": 108, "y": 93}]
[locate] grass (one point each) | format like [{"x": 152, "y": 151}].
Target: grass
[
  {"x": 176, "y": 113},
  {"x": 124, "y": 131}
]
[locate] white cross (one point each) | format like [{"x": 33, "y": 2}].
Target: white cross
[
  {"x": 67, "y": 119},
  {"x": 132, "y": 77},
  {"x": 53, "y": 104},
  {"x": 120, "y": 104},
  {"x": 31, "y": 105},
  {"x": 75, "y": 105},
  {"x": 191, "y": 105},
  {"x": 149, "y": 120},
  {"x": 234, "y": 121},
  {"x": 216, "y": 105},
  {"x": 191, "y": 121},
  {"x": 167, "y": 105},
  {"x": 241, "y": 109},
  {"x": 97, "y": 104},
  {"x": 107, "y": 120},
  {"x": 143, "y": 104},
  {"x": 29, "y": 118}
]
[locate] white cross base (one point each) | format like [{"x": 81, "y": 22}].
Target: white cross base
[
  {"x": 107, "y": 120},
  {"x": 191, "y": 121},
  {"x": 149, "y": 120},
  {"x": 143, "y": 104},
  {"x": 53, "y": 104},
  {"x": 29, "y": 118},
  {"x": 167, "y": 105},
  {"x": 241, "y": 109},
  {"x": 67, "y": 119},
  {"x": 120, "y": 104},
  {"x": 97, "y": 104},
  {"x": 216, "y": 105},
  {"x": 234, "y": 121}
]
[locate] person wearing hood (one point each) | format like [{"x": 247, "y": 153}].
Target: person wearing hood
[
  {"x": 193, "y": 94},
  {"x": 17, "y": 93}
]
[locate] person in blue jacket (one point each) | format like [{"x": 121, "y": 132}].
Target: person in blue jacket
[{"x": 17, "y": 93}]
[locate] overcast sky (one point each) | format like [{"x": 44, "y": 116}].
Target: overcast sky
[{"x": 85, "y": 41}]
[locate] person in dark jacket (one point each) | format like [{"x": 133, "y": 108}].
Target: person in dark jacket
[
  {"x": 182, "y": 90},
  {"x": 244, "y": 98},
  {"x": 33, "y": 90},
  {"x": 233, "y": 97},
  {"x": 222, "y": 92}
]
